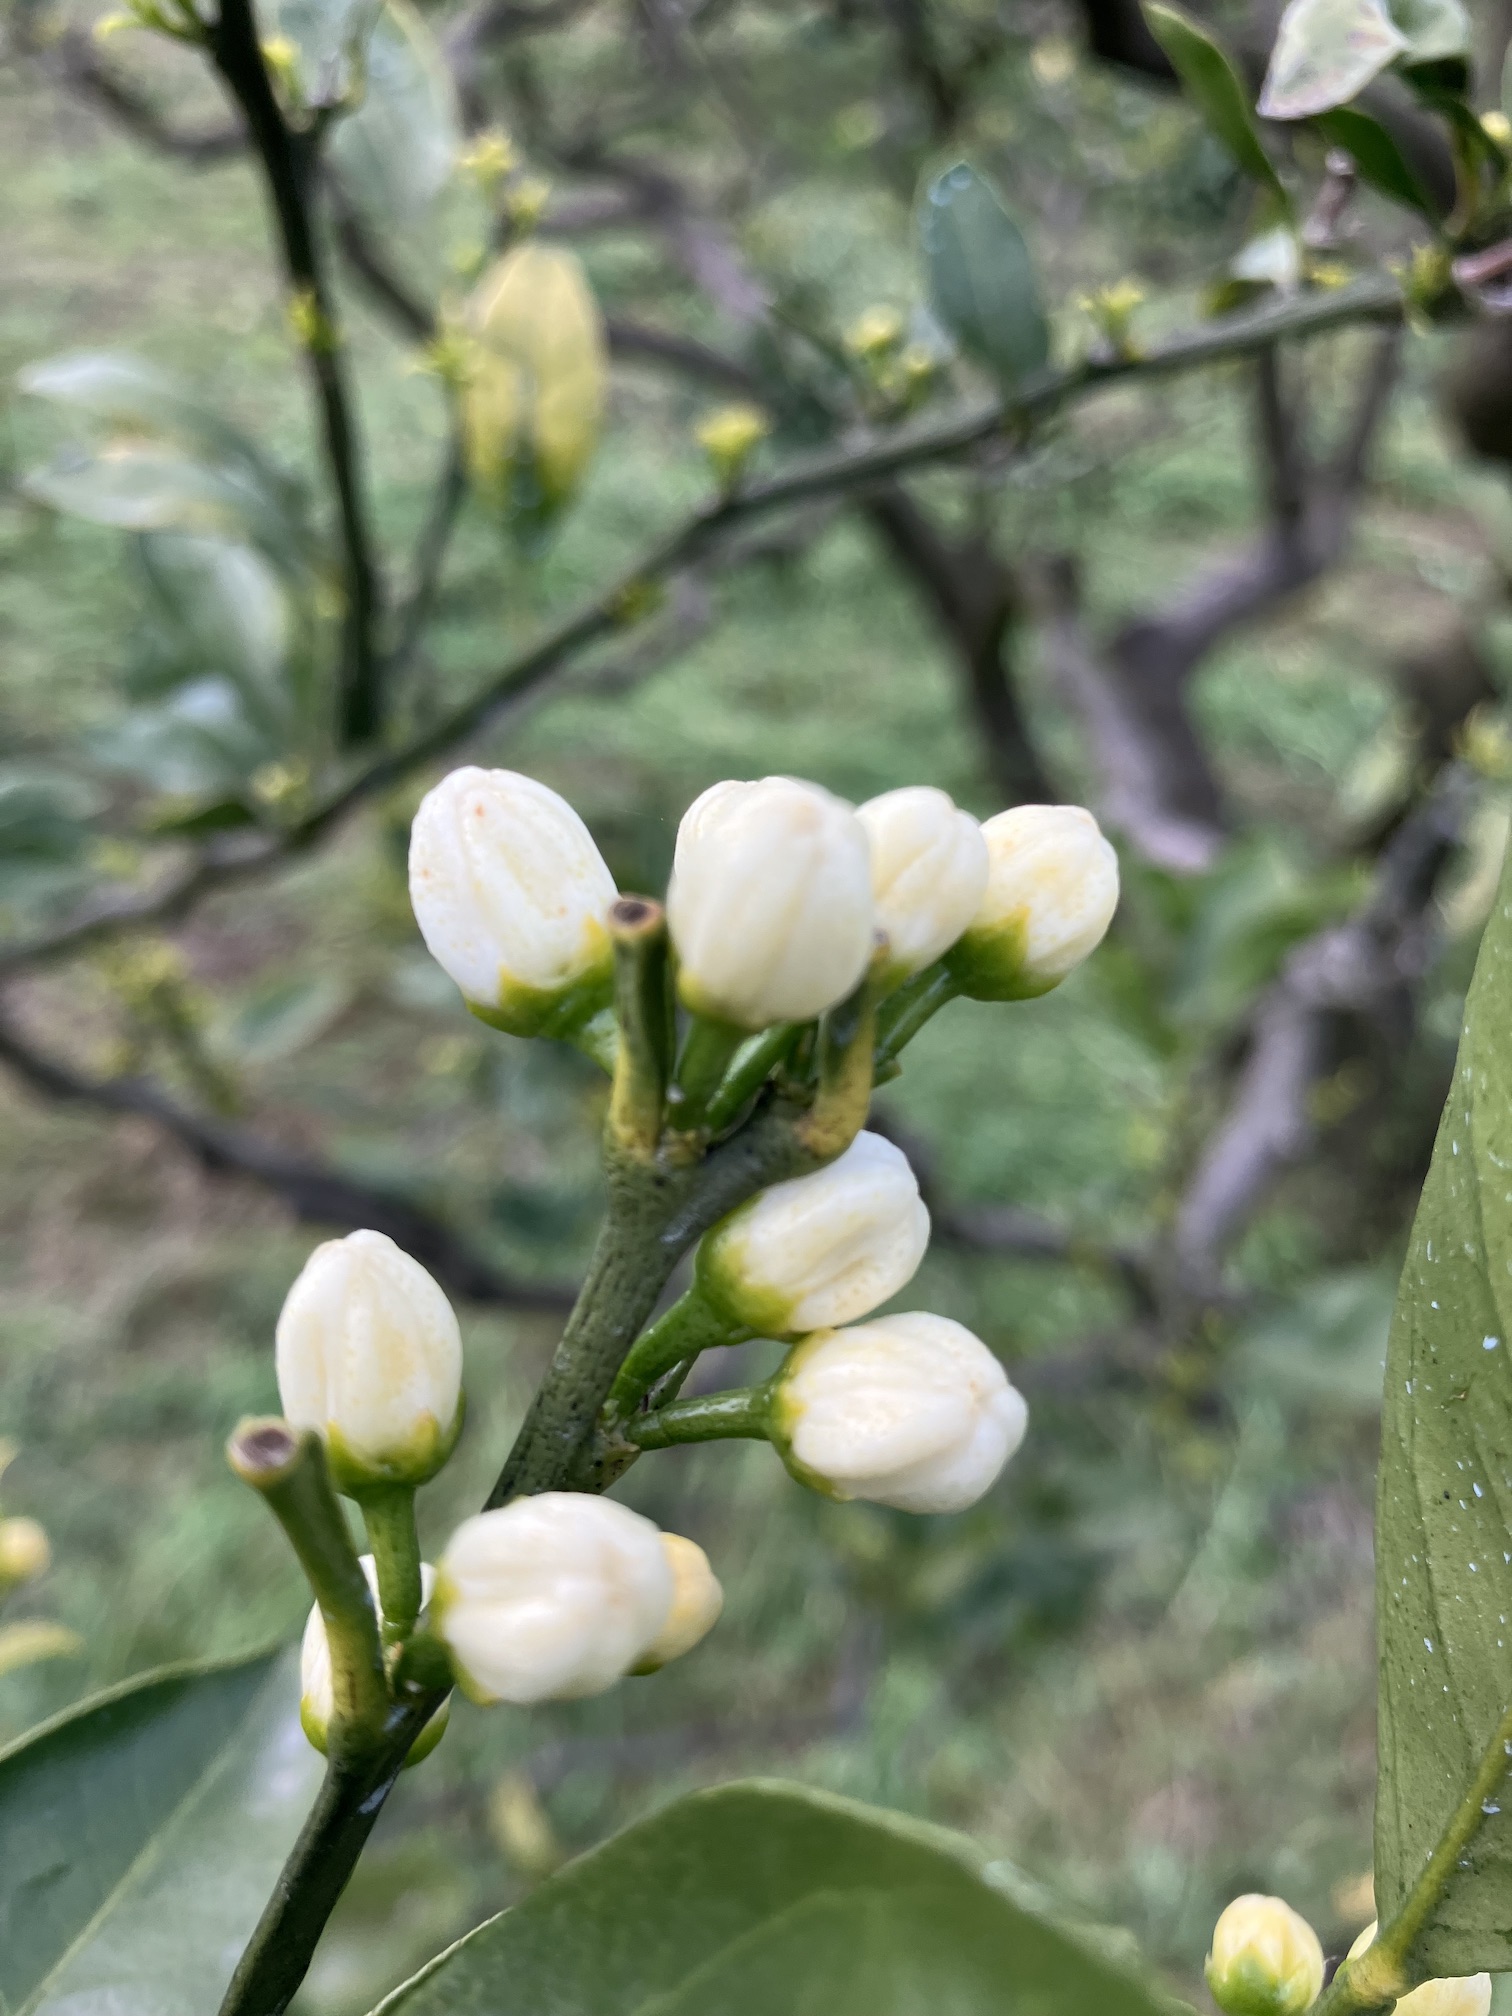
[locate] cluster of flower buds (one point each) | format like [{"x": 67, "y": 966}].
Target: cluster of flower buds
[
  {"x": 778, "y": 892},
  {"x": 1267, "y": 1961},
  {"x": 551, "y": 1597},
  {"x": 792, "y": 922}
]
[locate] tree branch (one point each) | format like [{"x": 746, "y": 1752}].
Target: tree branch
[
  {"x": 848, "y": 469},
  {"x": 289, "y": 163},
  {"x": 315, "y": 1192}
]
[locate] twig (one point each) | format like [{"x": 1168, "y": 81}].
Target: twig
[
  {"x": 314, "y": 1191},
  {"x": 289, "y": 159}
]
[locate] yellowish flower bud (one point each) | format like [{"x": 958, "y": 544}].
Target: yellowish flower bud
[
  {"x": 729, "y": 437},
  {"x": 534, "y": 396},
  {"x": 511, "y": 896},
  {"x": 819, "y": 1250},
  {"x": 1458, "y": 1995},
  {"x": 770, "y": 904},
  {"x": 875, "y": 331},
  {"x": 911, "y": 1411},
  {"x": 24, "y": 1553},
  {"x": 370, "y": 1357},
  {"x": 697, "y": 1600},
  {"x": 317, "y": 1699},
  {"x": 929, "y": 873},
  {"x": 1052, "y": 888},
  {"x": 1266, "y": 1960},
  {"x": 551, "y": 1598}
]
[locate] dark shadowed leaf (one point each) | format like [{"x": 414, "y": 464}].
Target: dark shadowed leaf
[
  {"x": 761, "y": 1897},
  {"x": 1212, "y": 82},
  {"x": 981, "y": 278},
  {"x": 1377, "y": 156},
  {"x": 140, "y": 1835},
  {"x": 1326, "y": 52},
  {"x": 1444, "y": 1513}
]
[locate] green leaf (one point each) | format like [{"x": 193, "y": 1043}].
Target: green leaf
[
  {"x": 764, "y": 1896},
  {"x": 140, "y": 1835},
  {"x": 1213, "y": 84},
  {"x": 1444, "y": 1515},
  {"x": 981, "y": 277},
  {"x": 1326, "y": 52},
  {"x": 395, "y": 154},
  {"x": 143, "y": 487},
  {"x": 1377, "y": 156},
  {"x": 226, "y": 612},
  {"x": 1435, "y": 29}
]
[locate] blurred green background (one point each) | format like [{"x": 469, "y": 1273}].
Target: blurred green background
[{"x": 1142, "y": 1670}]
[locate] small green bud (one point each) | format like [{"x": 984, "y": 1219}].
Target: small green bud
[{"x": 24, "y": 1553}]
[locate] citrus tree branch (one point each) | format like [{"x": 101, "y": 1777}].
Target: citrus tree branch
[
  {"x": 853, "y": 467},
  {"x": 288, "y": 157}
]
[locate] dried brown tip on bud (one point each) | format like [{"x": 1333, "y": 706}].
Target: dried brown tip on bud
[
  {"x": 262, "y": 1448},
  {"x": 635, "y": 917}
]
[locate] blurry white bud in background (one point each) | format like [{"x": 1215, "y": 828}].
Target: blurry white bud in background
[
  {"x": 1458, "y": 1995},
  {"x": 770, "y": 903},
  {"x": 697, "y": 1600},
  {"x": 369, "y": 1356},
  {"x": 1052, "y": 888},
  {"x": 317, "y": 1698},
  {"x": 551, "y": 1598},
  {"x": 820, "y": 1250},
  {"x": 911, "y": 1411},
  {"x": 511, "y": 895},
  {"x": 1266, "y": 1959},
  {"x": 929, "y": 873},
  {"x": 24, "y": 1553}
]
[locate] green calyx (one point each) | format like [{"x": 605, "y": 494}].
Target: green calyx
[
  {"x": 1247, "y": 1988},
  {"x": 742, "y": 1304},
  {"x": 556, "y": 1012},
  {"x": 992, "y": 964},
  {"x": 781, "y": 1424},
  {"x": 355, "y": 1473},
  {"x": 318, "y": 1734}
]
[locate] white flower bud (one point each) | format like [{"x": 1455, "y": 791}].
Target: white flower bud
[
  {"x": 770, "y": 904},
  {"x": 551, "y": 1598},
  {"x": 820, "y": 1250},
  {"x": 1052, "y": 888},
  {"x": 1456, "y": 1995},
  {"x": 697, "y": 1600},
  {"x": 929, "y": 873},
  {"x": 1266, "y": 1960},
  {"x": 911, "y": 1411},
  {"x": 511, "y": 895},
  {"x": 24, "y": 1553},
  {"x": 317, "y": 1695},
  {"x": 370, "y": 1357}
]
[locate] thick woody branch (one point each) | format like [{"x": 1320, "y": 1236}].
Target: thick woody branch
[
  {"x": 1366, "y": 967},
  {"x": 314, "y": 1191}
]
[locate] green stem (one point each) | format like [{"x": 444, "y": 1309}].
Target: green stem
[
  {"x": 752, "y": 1065},
  {"x": 643, "y": 1007},
  {"x": 847, "y": 1035},
  {"x": 289, "y": 1468},
  {"x": 903, "y": 1015},
  {"x": 690, "y": 1326},
  {"x": 714, "y": 1417},
  {"x": 388, "y": 1511},
  {"x": 707, "y": 1050}
]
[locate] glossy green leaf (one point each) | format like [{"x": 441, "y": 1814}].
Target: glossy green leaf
[
  {"x": 1209, "y": 78},
  {"x": 199, "y": 744},
  {"x": 1377, "y": 156},
  {"x": 143, "y": 487},
  {"x": 1444, "y": 1513},
  {"x": 981, "y": 278},
  {"x": 758, "y": 1897},
  {"x": 226, "y": 612},
  {"x": 1326, "y": 52},
  {"x": 140, "y": 1835}
]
